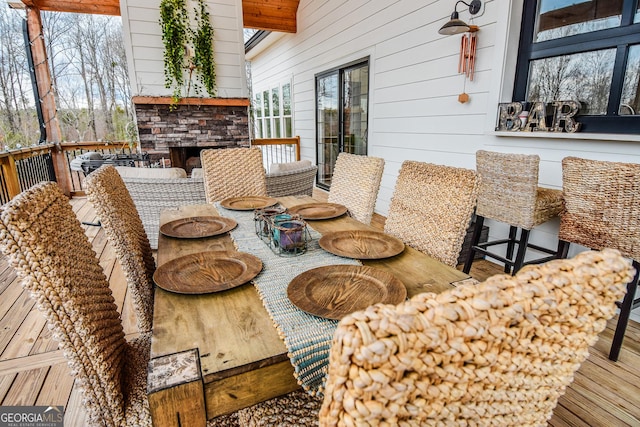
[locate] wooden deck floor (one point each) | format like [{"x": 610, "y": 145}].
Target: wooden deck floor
[{"x": 34, "y": 372}]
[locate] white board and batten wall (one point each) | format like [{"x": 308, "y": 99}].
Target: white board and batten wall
[
  {"x": 143, "y": 43},
  {"x": 414, "y": 113}
]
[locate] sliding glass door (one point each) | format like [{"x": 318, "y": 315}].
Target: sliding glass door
[{"x": 342, "y": 98}]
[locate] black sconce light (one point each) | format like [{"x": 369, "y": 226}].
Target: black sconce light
[{"x": 456, "y": 25}]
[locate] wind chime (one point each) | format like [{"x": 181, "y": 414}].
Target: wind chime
[{"x": 467, "y": 61}]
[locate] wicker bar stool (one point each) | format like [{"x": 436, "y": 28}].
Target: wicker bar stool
[
  {"x": 509, "y": 193},
  {"x": 122, "y": 224},
  {"x": 355, "y": 184},
  {"x": 602, "y": 210},
  {"x": 478, "y": 354},
  {"x": 431, "y": 208},
  {"x": 233, "y": 172}
]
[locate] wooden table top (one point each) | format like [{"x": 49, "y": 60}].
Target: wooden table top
[{"x": 232, "y": 329}]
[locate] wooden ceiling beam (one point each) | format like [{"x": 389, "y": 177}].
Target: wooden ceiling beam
[
  {"x": 95, "y": 7},
  {"x": 270, "y": 24},
  {"x": 271, "y": 15}
]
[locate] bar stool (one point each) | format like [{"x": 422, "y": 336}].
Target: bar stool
[
  {"x": 509, "y": 193},
  {"x": 602, "y": 210},
  {"x": 431, "y": 208}
]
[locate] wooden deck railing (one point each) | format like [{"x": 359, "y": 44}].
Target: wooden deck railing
[
  {"x": 71, "y": 150},
  {"x": 22, "y": 168},
  {"x": 278, "y": 150}
]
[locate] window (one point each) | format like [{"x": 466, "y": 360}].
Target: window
[
  {"x": 342, "y": 98},
  {"x": 273, "y": 112},
  {"x": 585, "y": 50}
]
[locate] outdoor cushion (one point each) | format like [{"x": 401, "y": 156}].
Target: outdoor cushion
[
  {"x": 288, "y": 167},
  {"x": 132, "y": 172}
]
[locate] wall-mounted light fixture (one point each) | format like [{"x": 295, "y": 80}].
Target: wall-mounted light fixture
[{"x": 456, "y": 25}]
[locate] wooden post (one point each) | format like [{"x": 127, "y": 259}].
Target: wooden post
[
  {"x": 46, "y": 96},
  {"x": 176, "y": 391},
  {"x": 10, "y": 174},
  {"x": 297, "y": 147}
]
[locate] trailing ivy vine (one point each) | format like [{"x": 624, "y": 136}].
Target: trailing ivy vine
[
  {"x": 203, "y": 47},
  {"x": 174, "y": 21},
  {"x": 186, "y": 49}
]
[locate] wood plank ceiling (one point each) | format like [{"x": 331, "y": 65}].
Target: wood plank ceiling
[{"x": 271, "y": 15}]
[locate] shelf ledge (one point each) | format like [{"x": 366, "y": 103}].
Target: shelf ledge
[{"x": 166, "y": 100}]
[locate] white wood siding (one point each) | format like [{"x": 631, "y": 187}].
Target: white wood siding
[
  {"x": 414, "y": 111},
  {"x": 143, "y": 41}
]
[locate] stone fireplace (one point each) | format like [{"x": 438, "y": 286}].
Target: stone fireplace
[{"x": 178, "y": 132}]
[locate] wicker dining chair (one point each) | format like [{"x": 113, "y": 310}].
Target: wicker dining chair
[
  {"x": 355, "y": 184},
  {"x": 496, "y": 353},
  {"x": 45, "y": 243},
  {"x": 431, "y": 208},
  {"x": 119, "y": 217},
  {"x": 509, "y": 193},
  {"x": 292, "y": 182},
  {"x": 233, "y": 172},
  {"x": 602, "y": 210},
  {"x": 152, "y": 195}
]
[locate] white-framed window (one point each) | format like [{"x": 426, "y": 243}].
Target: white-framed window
[{"x": 273, "y": 112}]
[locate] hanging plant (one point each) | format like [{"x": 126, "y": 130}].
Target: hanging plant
[
  {"x": 203, "y": 48},
  {"x": 174, "y": 22},
  {"x": 187, "y": 49}
]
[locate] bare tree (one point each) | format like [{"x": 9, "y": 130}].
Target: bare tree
[
  {"x": 17, "y": 125},
  {"x": 88, "y": 68}
]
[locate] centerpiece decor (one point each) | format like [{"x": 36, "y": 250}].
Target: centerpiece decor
[{"x": 285, "y": 234}]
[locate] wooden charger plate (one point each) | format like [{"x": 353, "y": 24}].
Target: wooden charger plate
[
  {"x": 337, "y": 290},
  {"x": 313, "y": 211},
  {"x": 207, "y": 272},
  {"x": 247, "y": 203},
  {"x": 198, "y": 226},
  {"x": 361, "y": 244}
]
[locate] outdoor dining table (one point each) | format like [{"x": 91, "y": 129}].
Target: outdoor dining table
[{"x": 215, "y": 353}]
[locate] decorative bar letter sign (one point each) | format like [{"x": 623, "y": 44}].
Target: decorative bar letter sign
[
  {"x": 537, "y": 118},
  {"x": 508, "y": 116},
  {"x": 565, "y": 111}
]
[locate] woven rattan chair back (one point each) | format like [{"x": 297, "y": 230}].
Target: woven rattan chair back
[
  {"x": 602, "y": 210},
  {"x": 509, "y": 187},
  {"x": 431, "y": 208},
  {"x": 292, "y": 183},
  {"x": 233, "y": 172},
  {"x": 493, "y": 354},
  {"x": 601, "y": 205},
  {"x": 152, "y": 195},
  {"x": 509, "y": 193},
  {"x": 355, "y": 184},
  {"x": 43, "y": 240},
  {"x": 119, "y": 217}
]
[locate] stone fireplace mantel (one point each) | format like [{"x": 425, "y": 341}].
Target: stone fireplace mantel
[
  {"x": 167, "y": 100},
  {"x": 179, "y": 130}
]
